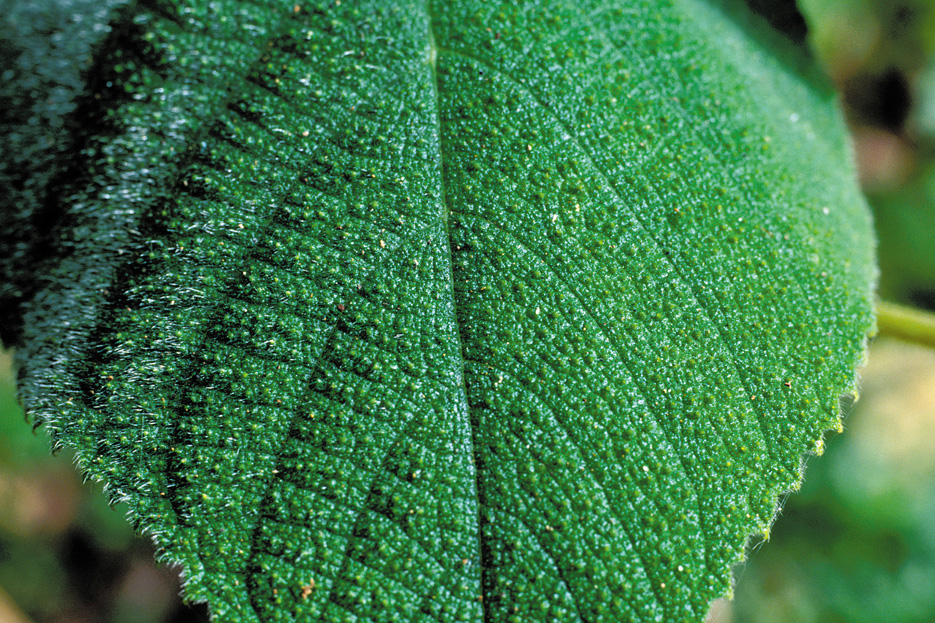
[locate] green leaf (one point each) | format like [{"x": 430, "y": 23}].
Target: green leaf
[{"x": 450, "y": 311}]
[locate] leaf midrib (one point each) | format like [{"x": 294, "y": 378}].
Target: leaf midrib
[{"x": 432, "y": 62}]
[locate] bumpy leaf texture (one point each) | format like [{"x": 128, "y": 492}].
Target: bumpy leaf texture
[{"x": 448, "y": 311}]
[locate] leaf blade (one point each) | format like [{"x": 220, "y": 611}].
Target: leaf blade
[{"x": 614, "y": 373}]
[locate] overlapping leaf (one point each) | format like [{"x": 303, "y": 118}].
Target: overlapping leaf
[{"x": 450, "y": 311}]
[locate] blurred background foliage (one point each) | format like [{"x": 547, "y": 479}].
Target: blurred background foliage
[{"x": 856, "y": 544}]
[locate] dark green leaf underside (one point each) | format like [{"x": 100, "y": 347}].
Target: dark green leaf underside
[{"x": 459, "y": 312}]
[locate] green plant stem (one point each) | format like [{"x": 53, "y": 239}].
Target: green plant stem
[{"x": 906, "y": 323}]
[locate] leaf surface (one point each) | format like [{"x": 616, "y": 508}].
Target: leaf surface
[{"x": 451, "y": 311}]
